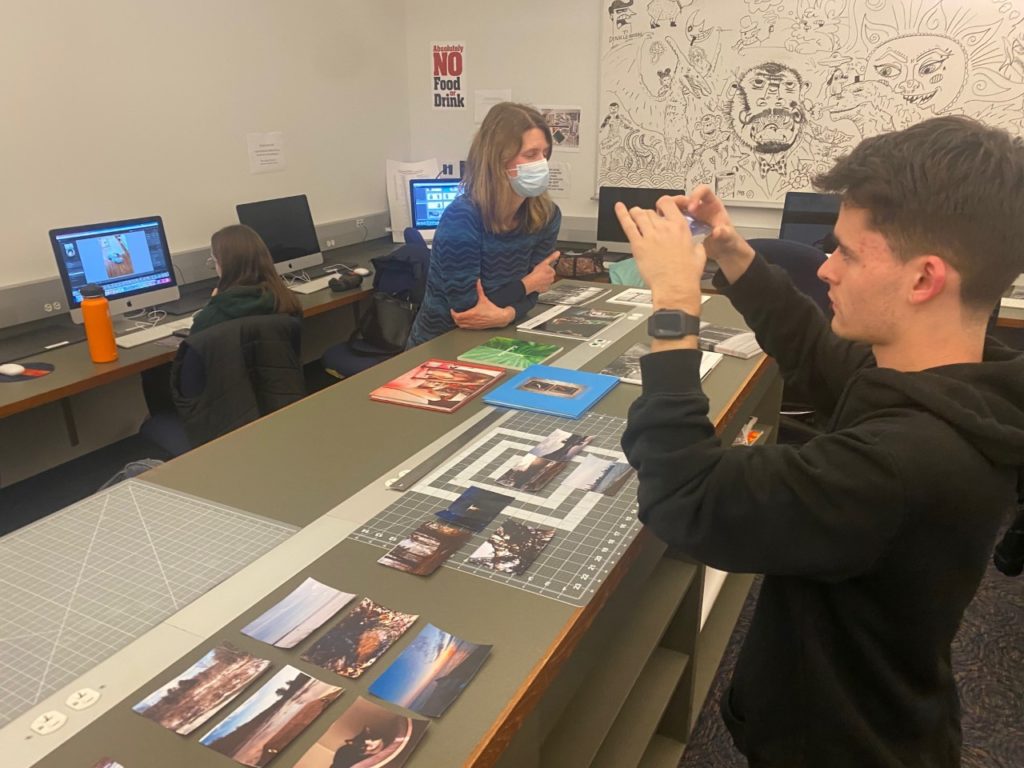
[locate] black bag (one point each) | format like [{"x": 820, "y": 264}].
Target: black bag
[{"x": 399, "y": 284}]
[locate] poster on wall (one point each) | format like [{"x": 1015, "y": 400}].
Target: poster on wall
[
  {"x": 757, "y": 98},
  {"x": 564, "y": 123},
  {"x": 447, "y": 63}
]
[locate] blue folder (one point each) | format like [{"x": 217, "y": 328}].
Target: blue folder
[{"x": 552, "y": 390}]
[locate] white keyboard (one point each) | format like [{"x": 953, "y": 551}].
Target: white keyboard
[
  {"x": 314, "y": 285},
  {"x": 146, "y": 335}
]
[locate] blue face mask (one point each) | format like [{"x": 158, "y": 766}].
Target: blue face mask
[{"x": 531, "y": 179}]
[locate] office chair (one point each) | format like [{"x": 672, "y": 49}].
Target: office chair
[
  {"x": 226, "y": 376},
  {"x": 797, "y": 419}
]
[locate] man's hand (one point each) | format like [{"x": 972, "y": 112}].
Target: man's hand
[
  {"x": 543, "y": 275},
  {"x": 724, "y": 244},
  {"x": 486, "y": 314},
  {"x": 665, "y": 254}
]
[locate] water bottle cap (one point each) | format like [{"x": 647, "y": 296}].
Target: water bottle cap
[{"x": 92, "y": 291}]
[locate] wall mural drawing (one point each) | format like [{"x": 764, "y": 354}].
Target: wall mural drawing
[{"x": 755, "y": 97}]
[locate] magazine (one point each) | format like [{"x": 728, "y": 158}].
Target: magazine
[
  {"x": 1015, "y": 299},
  {"x": 571, "y": 322},
  {"x": 627, "y": 366},
  {"x": 734, "y": 342},
  {"x": 555, "y": 391},
  {"x": 564, "y": 293},
  {"x": 511, "y": 353},
  {"x": 640, "y": 297},
  {"x": 438, "y": 385}
]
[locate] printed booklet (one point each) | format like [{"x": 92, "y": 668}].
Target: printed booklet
[
  {"x": 734, "y": 342},
  {"x": 627, "y": 366},
  {"x": 563, "y": 293},
  {"x": 554, "y": 391},
  {"x": 438, "y": 385},
  {"x": 511, "y": 353},
  {"x": 571, "y": 322}
]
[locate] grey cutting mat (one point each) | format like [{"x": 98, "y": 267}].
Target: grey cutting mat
[
  {"x": 84, "y": 582},
  {"x": 592, "y": 531}
]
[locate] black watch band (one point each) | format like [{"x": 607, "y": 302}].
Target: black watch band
[{"x": 672, "y": 324}]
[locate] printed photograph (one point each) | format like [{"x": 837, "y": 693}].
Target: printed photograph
[
  {"x": 475, "y": 508},
  {"x": 271, "y": 718},
  {"x": 561, "y": 445},
  {"x": 510, "y": 353},
  {"x": 425, "y": 549},
  {"x": 578, "y": 322},
  {"x": 564, "y": 123},
  {"x": 431, "y": 673},
  {"x": 531, "y": 474},
  {"x": 572, "y": 295},
  {"x": 600, "y": 475},
  {"x": 290, "y": 621},
  {"x": 352, "y": 645},
  {"x": 552, "y": 387},
  {"x": 366, "y": 735},
  {"x": 199, "y": 692},
  {"x": 512, "y": 548},
  {"x": 438, "y": 385},
  {"x": 627, "y": 366}
]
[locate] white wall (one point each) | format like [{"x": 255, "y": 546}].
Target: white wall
[{"x": 118, "y": 108}]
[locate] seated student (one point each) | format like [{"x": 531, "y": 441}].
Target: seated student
[
  {"x": 874, "y": 536},
  {"x": 492, "y": 251},
  {"x": 249, "y": 284}
]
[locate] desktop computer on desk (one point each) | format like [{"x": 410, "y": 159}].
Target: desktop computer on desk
[
  {"x": 131, "y": 261},
  {"x": 428, "y": 199}
]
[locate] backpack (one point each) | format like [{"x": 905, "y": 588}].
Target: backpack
[{"x": 399, "y": 284}]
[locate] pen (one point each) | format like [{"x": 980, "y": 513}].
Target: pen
[{"x": 57, "y": 344}]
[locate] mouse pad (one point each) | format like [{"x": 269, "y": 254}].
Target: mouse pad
[{"x": 32, "y": 371}]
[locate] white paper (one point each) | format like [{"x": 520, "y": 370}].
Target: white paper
[
  {"x": 560, "y": 178},
  {"x": 484, "y": 100},
  {"x": 266, "y": 152},
  {"x": 398, "y": 174}
]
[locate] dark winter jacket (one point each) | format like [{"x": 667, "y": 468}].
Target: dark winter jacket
[
  {"x": 235, "y": 372},
  {"x": 873, "y": 537},
  {"x": 239, "y": 301}
]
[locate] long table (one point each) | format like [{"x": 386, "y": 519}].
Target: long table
[{"x": 565, "y": 684}]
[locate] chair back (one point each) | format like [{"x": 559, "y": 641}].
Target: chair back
[{"x": 801, "y": 262}]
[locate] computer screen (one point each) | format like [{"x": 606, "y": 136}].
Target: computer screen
[
  {"x": 609, "y": 231},
  {"x": 286, "y": 226},
  {"x": 428, "y": 199},
  {"x": 129, "y": 258},
  {"x": 809, "y": 217}
]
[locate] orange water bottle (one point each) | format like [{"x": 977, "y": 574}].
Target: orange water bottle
[{"x": 99, "y": 328}]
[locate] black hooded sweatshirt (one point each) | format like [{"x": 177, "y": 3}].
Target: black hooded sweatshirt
[{"x": 873, "y": 537}]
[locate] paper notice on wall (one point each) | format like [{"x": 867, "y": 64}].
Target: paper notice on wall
[
  {"x": 398, "y": 174},
  {"x": 447, "y": 64},
  {"x": 559, "y": 178},
  {"x": 484, "y": 100},
  {"x": 564, "y": 123},
  {"x": 266, "y": 152}
]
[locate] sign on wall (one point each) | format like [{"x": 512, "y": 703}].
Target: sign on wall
[
  {"x": 757, "y": 97},
  {"x": 447, "y": 63}
]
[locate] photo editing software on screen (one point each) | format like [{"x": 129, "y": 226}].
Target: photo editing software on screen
[
  {"x": 126, "y": 258},
  {"x": 429, "y": 199}
]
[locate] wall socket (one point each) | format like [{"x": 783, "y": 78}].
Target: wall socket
[
  {"x": 360, "y": 222},
  {"x": 328, "y": 243}
]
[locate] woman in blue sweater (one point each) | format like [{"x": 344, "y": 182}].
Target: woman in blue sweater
[{"x": 494, "y": 246}]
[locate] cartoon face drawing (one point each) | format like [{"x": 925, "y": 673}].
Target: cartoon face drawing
[
  {"x": 767, "y": 113},
  {"x": 708, "y": 125},
  {"x": 926, "y": 70},
  {"x": 621, "y": 12}
]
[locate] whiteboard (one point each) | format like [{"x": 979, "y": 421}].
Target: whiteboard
[{"x": 755, "y": 98}]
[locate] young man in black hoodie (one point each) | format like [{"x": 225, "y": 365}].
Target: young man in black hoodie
[{"x": 874, "y": 536}]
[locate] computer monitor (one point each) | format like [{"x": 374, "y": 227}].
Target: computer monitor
[
  {"x": 809, "y": 217},
  {"x": 609, "y": 231},
  {"x": 428, "y": 199},
  {"x": 286, "y": 226},
  {"x": 129, "y": 258}
]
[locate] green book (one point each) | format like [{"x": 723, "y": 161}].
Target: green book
[{"x": 516, "y": 354}]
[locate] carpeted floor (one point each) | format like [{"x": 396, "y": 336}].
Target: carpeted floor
[{"x": 988, "y": 659}]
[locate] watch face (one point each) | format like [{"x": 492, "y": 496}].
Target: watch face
[{"x": 672, "y": 324}]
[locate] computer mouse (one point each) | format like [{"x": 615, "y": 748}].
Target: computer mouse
[
  {"x": 11, "y": 369},
  {"x": 361, "y": 271}
]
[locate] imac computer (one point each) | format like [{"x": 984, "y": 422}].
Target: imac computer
[
  {"x": 428, "y": 199},
  {"x": 809, "y": 217},
  {"x": 609, "y": 231},
  {"x": 286, "y": 226},
  {"x": 129, "y": 259}
]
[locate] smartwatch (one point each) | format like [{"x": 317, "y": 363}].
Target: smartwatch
[{"x": 672, "y": 324}]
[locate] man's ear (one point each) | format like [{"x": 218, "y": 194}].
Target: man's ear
[{"x": 931, "y": 276}]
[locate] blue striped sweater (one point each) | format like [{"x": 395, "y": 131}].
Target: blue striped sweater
[{"x": 464, "y": 251}]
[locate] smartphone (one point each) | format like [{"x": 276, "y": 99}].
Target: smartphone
[{"x": 697, "y": 228}]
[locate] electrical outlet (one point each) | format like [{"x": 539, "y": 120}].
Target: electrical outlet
[
  {"x": 360, "y": 222},
  {"x": 328, "y": 243}
]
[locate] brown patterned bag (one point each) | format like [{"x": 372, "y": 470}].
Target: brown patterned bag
[{"x": 582, "y": 265}]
